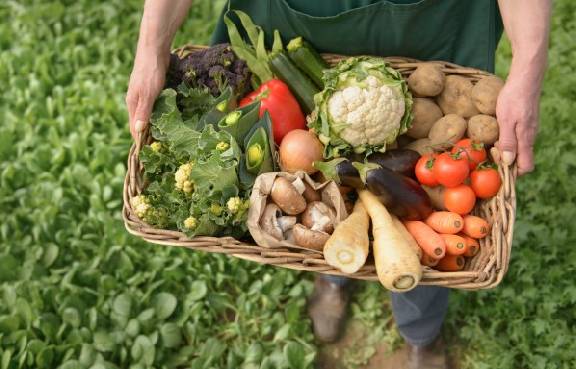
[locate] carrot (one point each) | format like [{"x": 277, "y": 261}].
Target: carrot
[
  {"x": 445, "y": 222},
  {"x": 397, "y": 265},
  {"x": 430, "y": 241},
  {"x": 428, "y": 261},
  {"x": 451, "y": 263},
  {"x": 411, "y": 241},
  {"x": 475, "y": 227},
  {"x": 347, "y": 247},
  {"x": 455, "y": 245},
  {"x": 473, "y": 245}
]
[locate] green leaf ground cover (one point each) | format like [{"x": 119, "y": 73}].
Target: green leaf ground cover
[{"x": 76, "y": 291}]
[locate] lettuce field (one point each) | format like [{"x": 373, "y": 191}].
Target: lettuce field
[{"x": 78, "y": 292}]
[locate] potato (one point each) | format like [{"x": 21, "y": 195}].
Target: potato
[
  {"x": 426, "y": 113},
  {"x": 447, "y": 131},
  {"x": 485, "y": 93},
  {"x": 455, "y": 98},
  {"x": 421, "y": 146},
  {"x": 483, "y": 128},
  {"x": 426, "y": 80}
]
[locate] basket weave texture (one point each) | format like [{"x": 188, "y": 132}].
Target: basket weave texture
[{"x": 485, "y": 270}]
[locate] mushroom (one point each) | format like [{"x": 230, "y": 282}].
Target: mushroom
[
  {"x": 308, "y": 238},
  {"x": 287, "y": 197},
  {"x": 310, "y": 194},
  {"x": 286, "y": 222},
  {"x": 299, "y": 185},
  {"x": 319, "y": 217},
  {"x": 269, "y": 221}
]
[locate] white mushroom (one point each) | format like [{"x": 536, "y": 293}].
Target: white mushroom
[
  {"x": 286, "y": 223},
  {"x": 319, "y": 217}
]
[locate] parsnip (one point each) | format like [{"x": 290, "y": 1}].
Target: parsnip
[
  {"x": 397, "y": 265},
  {"x": 347, "y": 248},
  {"x": 409, "y": 238}
]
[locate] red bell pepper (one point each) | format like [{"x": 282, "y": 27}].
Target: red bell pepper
[{"x": 282, "y": 106}]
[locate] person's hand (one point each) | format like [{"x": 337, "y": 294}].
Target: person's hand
[
  {"x": 517, "y": 112},
  {"x": 146, "y": 82}
]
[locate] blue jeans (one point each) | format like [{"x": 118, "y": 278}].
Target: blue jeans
[{"x": 418, "y": 313}]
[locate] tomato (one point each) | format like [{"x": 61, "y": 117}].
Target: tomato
[
  {"x": 459, "y": 199},
  {"x": 450, "y": 170},
  {"x": 472, "y": 152},
  {"x": 424, "y": 172},
  {"x": 485, "y": 182}
]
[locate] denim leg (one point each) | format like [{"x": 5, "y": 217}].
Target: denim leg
[
  {"x": 419, "y": 313},
  {"x": 336, "y": 279}
]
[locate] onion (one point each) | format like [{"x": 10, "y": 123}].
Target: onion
[{"x": 299, "y": 150}]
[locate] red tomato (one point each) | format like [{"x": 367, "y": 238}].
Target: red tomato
[
  {"x": 450, "y": 170},
  {"x": 460, "y": 199},
  {"x": 472, "y": 152},
  {"x": 485, "y": 182},
  {"x": 424, "y": 172}
]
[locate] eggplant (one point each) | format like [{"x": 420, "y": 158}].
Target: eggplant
[
  {"x": 401, "y": 161},
  {"x": 402, "y": 195},
  {"x": 341, "y": 171}
]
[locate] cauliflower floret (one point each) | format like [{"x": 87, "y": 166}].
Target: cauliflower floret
[
  {"x": 141, "y": 205},
  {"x": 182, "y": 178},
  {"x": 156, "y": 146},
  {"x": 222, "y": 146},
  {"x": 367, "y": 114},
  {"x": 234, "y": 204},
  {"x": 190, "y": 223}
]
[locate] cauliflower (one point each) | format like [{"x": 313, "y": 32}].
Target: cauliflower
[
  {"x": 364, "y": 106},
  {"x": 190, "y": 223},
  {"x": 182, "y": 178}
]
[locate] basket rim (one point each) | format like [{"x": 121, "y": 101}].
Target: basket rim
[{"x": 503, "y": 206}]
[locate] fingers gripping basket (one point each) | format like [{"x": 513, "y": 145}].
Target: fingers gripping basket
[{"x": 485, "y": 270}]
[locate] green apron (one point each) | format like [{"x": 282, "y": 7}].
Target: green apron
[{"x": 458, "y": 31}]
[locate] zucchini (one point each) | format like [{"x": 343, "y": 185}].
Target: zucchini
[
  {"x": 300, "y": 85},
  {"x": 307, "y": 58}
]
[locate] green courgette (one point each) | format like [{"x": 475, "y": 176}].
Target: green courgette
[
  {"x": 298, "y": 82},
  {"x": 307, "y": 58}
]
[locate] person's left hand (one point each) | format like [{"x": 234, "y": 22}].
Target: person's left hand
[{"x": 517, "y": 113}]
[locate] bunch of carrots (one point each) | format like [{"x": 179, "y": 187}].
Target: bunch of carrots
[{"x": 446, "y": 238}]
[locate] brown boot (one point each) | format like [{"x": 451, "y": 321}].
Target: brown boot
[
  {"x": 432, "y": 356},
  {"x": 327, "y": 309}
]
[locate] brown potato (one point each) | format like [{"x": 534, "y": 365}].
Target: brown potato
[
  {"x": 483, "y": 128},
  {"x": 422, "y": 146},
  {"x": 485, "y": 93},
  {"x": 426, "y": 80},
  {"x": 447, "y": 131},
  {"x": 455, "y": 98},
  {"x": 426, "y": 113}
]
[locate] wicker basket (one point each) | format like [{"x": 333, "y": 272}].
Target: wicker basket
[{"x": 485, "y": 270}]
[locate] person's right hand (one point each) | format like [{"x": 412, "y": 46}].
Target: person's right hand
[{"x": 146, "y": 82}]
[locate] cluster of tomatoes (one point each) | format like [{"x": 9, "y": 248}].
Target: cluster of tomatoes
[{"x": 464, "y": 172}]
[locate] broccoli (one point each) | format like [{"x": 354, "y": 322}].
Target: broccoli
[{"x": 215, "y": 68}]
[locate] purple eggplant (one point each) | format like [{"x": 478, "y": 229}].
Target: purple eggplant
[
  {"x": 401, "y": 161},
  {"x": 341, "y": 171},
  {"x": 402, "y": 195}
]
